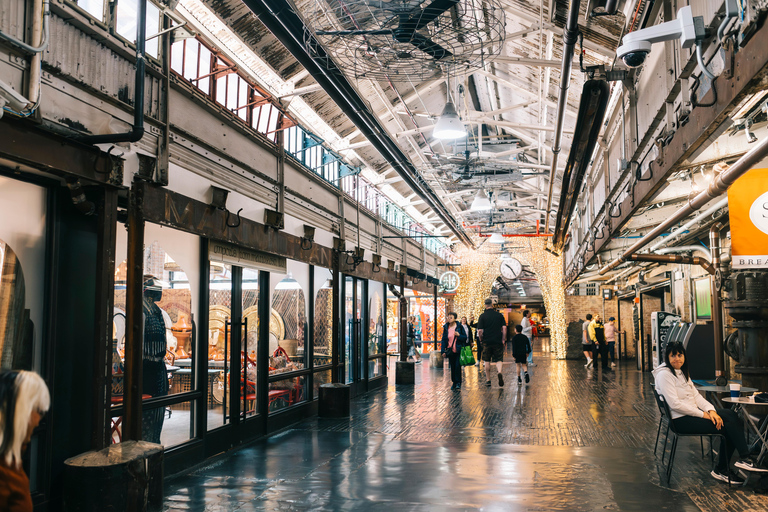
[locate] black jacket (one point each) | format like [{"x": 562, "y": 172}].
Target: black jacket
[
  {"x": 461, "y": 342},
  {"x": 470, "y": 335}
]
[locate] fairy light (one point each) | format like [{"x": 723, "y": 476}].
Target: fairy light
[{"x": 479, "y": 269}]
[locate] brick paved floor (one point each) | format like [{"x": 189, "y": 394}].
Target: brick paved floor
[{"x": 573, "y": 439}]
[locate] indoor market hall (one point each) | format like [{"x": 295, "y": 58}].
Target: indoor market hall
[{"x": 341, "y": 255}]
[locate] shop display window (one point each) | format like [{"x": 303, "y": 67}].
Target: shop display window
[
  {"x": 22, "y": 273},
  {"x": 287, "y": 392},
  {"x": 323, "y": 321},
  {"x": 15, "y": 328},
  {"x": 169, "y": 288},
  {"x": 322, "y": 377},
  {"x": 375, "y": 323}
]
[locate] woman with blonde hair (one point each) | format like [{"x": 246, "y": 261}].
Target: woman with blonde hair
[{"x": 24, "y": 398}]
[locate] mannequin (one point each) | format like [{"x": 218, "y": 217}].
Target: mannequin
[{"x": 155, "y": 375}]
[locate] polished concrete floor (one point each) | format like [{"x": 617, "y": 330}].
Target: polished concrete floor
[{"x": 573, "y": 439}]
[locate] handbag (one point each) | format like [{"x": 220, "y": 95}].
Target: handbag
[{"x": 466, "y": 358}]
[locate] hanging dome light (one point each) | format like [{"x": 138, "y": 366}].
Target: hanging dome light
[
  {"x": 480, "y": 202},
  {"x": 288, "y": 283},
  {"x": 496, "y": 238},
  {"x": 449, "y": 126}
]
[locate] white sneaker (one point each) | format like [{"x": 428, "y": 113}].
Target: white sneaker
[
  {"x": 589, "y": 363},
  {"x": 613, "y": 365}
]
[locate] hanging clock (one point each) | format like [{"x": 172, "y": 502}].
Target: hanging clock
[{"x": 511, "y": 268}]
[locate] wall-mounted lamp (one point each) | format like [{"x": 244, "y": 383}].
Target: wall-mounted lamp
[
  {"x": 376, "y": 260},
  {"x": 308, "y": 238},
  {"x": 219, "y": 200},
  {"x": 274, "y": 219},
  {"x": 391, "y": 265}
]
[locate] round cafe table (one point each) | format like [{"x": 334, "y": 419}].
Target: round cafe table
[{"x": 739, "y": 404}]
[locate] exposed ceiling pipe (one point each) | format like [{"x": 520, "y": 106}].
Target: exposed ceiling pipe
[
  {"x": 674, "y": 258},
  {"x": 687, "y": 248},
  {"x": 718, "y": 186},
  {"x": 279, "y": 18},
  {"x": 570, "y": 35},
  {"x": 137, "y": 130}
]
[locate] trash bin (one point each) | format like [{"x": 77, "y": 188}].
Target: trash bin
[
  {"x": 125, "y": 476},
  {"x": 333, "y": 400}
]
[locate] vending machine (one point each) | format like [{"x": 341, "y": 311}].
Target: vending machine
[{"x": 661, "y": 323}]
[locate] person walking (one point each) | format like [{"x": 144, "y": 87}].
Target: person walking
[
  {"x": 410, "y": 337},
  {"x": 454, "y": 338},
  {"x": 586, "y": 340},
  {"x": 473, "y": 325},
  {"x": 610, "y": 339},
  {"x": 492, "y": 332},
  {"x": 527, "y": 326},
  {"x": 521, "y": 347},
  {"x": 468, "y": 330},
  {"x": 24, "y": 399},
  {"x": 597, "y": 334}
]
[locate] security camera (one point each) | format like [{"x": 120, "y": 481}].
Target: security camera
[
  {"x": 14, "y": 100},
  {"x": 637, "y": 45}
]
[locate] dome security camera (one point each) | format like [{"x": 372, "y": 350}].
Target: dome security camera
[{"x": 637, "y": 45}]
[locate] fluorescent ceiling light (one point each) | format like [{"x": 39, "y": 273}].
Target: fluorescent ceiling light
[
  {"x": 481, "y": 202},
  {"x": 496, "y": 238},
  {"x": 449, "y": 126}
]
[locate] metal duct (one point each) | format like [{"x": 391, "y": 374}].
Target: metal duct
[
  {"x": 280, "y": 19},
  {"x": 137, "y": 130},
  {"x": 594, "y": 102},
  {"x": 570, "y": 35},
  {"x": 717, "y": 307}
]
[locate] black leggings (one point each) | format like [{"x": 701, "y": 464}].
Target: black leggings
[
  {"x": 454, "y": 358},
  {"x": 733, "y": 430}
]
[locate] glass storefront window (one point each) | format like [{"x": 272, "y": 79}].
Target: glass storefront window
[
  {"x": 15, "y": 329},
  {"x": 376, "y": 320},
  {"x": 177, "y": 426},
  {"x": 288, "y": 328},
  {"x": 323, "y": 321},
  {"x": 167, "y": 338},
  {"x": 323, "y": 377},
  {"x": 375, "y": 367},
  {"x": 286, "y": 392}
]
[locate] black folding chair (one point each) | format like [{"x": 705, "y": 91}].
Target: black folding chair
[
  {"x": 662, "y": 417},
  {"x": 673, "y": 448}
]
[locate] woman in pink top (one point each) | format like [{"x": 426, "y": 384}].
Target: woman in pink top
[{"x": 454, "y": 338}]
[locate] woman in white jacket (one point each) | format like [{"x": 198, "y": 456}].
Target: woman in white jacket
[{"x": 692, "y": 414}]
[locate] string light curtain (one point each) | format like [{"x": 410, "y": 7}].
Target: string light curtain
[{"x": 479, "y": 269}]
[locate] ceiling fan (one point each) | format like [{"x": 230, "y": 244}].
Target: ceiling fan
[{"x": 409, "y": 22}]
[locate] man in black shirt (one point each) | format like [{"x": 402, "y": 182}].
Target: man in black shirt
[{"x": 492, "y": 333}]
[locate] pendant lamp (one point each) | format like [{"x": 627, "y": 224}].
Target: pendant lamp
[
  {"x": 480, "y": 202},
  {"x": 449, "y": 126},
  {"x": 496, "y": 238}
]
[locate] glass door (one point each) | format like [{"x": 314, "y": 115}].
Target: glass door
[
  {"x": 233, "y": 320},
  {"x": 355, "y": 350}
]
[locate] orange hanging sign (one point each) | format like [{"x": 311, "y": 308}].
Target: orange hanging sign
[{"x": 748, "y": 212}]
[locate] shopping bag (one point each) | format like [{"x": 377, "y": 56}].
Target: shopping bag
[{"x": 466, "y": 358}]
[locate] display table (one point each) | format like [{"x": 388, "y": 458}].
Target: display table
[{"x": 182, "y": 383}]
